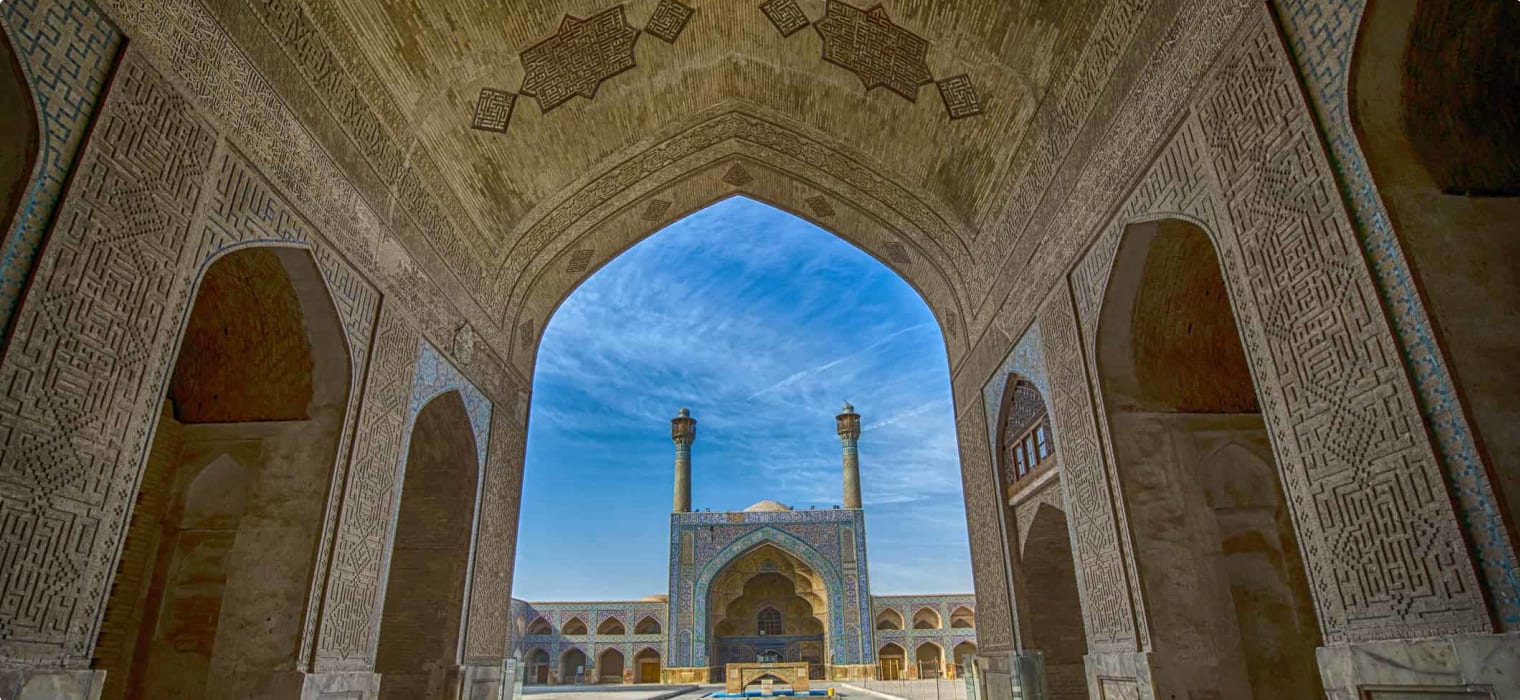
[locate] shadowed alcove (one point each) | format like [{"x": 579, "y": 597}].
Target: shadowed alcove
[
  {"x": 211, "y": 589},
  {"x": 1227, "y": 600},
  {"x": 425, "y": 593}
]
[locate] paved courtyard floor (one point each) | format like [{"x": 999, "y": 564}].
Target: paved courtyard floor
[{"x": 609, "y": 692}]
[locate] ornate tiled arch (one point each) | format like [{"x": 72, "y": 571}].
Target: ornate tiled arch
[
  {"x": 790, "y": 544},
  {"x": 435, "y": 376}
]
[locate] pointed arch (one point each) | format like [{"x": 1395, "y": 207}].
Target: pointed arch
[
  {"x": 540, "y": 627},
  {"x": 573, "y": 627},
  {"x": 927, "y": 619},
  {"x": 889, "y": 619},
  {"x": 962, "y": 618},
  {"x": 647, "y": 625},
  {"x": 610, "y": 665},
  {"x": 611, "y": 627}
]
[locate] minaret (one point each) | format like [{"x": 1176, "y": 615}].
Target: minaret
[
  {"x": 683, "y": 430},
  {"x": 848, "y": 422}
]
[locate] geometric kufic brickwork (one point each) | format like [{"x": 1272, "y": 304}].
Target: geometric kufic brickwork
[
  {"x": 785, "y": 16},
  {"x": 656, "y": 210},
  {"x": 1323, "y": 44},
  {"x": 877, "y": 50},
  {"x": 868, "y": 44},
  {"x": 738, "y": 176},
  {"x": 576, "y": 59},
  {"x": 1098, "y": 540},
  {"x": 897, "y": 252},
  {"x": 66, "y": 49},
  {"x": 493, "y": 111},
  {"x": 580, "y": 260},
  {"x": 821, "y": 206},
  {"x": 85, "y": 374},
  {"x": 1335, "y": 396},
  {"x": 960, "y": 97},
  {"x": 668, "y": 21}
]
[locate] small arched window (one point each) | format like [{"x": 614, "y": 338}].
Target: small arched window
[
  {"x": 574, "y": 627},
  {"x": 1024, "y": 439},
  {"x": 769, "y": 621}
]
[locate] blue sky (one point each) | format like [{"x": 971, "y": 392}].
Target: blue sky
[{"x": 762, "y": 324}]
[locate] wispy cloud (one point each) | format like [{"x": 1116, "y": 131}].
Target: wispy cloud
[{"x": 761, "y": 324}]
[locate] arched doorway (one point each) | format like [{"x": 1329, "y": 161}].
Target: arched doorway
[
  {"x": 609, "y": 666},
  {"x": 426, "y": 589},
  {"x": 572, "y": 667},
  {"x": 647, "y": 662},
  {"x": 1435, "y": 98},
  {"x": 1050, "y": 611},
  {"x": 891, "y": 662},
  {"x": 211, "y": 591},
  {"x": 1227, "y": 601},
  {"x": 962, "y": 655},
  {"x": 767, "y": 602},
  {"x": 1038, "y": 543},
  {"x": 538, "y": 667},
  {"x": 929, "y": 658}
]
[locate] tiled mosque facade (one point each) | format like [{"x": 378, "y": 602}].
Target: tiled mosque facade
[
  {"x": 1225, "y": 290},
  {"x": 728, "y": 570}
]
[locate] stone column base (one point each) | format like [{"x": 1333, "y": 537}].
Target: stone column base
[
  {"x": 47, "y": 684},
  {"x": 1466, "y": 667},
  {"x": 293, "y": 685},
  {"x": 481, "y": 682},
  {"x": 1121, "y": 675}
]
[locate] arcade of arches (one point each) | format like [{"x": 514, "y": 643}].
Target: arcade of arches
[{"x": 1226, "y": 290}]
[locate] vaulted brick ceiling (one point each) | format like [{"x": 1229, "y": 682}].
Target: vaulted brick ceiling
[{"x": 429, "y": 60}]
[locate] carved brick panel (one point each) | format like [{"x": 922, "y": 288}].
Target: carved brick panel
[
  {"x": 1383, "y": 551},
  {"x": 669, "y": 20},
  {"x": 489, "y": 628},
  {"x": 1104, "y": 570},
  {"x": 154, "y": 202},
  {"x": 868, "y": 44},
  {"x": 86, "y": 369},
  {"x": 785, "y": 16},
  {"x": 994, "y": 613},
  {"x": 348, "y": 634},
  {"x": 578, "y": 58}
]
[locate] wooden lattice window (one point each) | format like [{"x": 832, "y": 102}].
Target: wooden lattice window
[
  {"x": 770, "y": 621},
  {"x": 1025, "y": 442}
]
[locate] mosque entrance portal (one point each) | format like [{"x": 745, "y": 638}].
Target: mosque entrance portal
[{"x": 768, "y": 606}]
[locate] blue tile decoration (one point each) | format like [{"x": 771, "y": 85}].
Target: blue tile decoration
[
  {"x": 67, "y": 49},
  {"x": 1322, "y": 36},
  {"x": 1026, "y": 359},
  {"x": 435, "y": 376}
]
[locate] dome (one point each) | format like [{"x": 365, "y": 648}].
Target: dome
[{"x": 766, "y": 506}]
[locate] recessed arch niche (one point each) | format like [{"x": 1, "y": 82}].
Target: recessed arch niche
[
  {"x": 211, "y": 590},
  {"x": 1227, "y": 601},
  {"x": 426, "y": 589}
]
